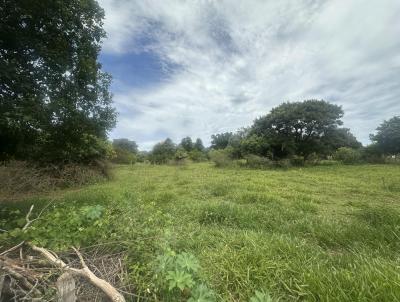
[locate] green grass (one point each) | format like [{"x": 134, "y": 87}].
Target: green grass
[{"x": 328, "y": 233}]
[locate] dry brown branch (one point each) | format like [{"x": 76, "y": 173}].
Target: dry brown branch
[
  {"x": 27, "y": 217},
  {"x": 19, "y": 274},
  {"x": 12, "y": 249},
  {"x": 85, "y": 272}
]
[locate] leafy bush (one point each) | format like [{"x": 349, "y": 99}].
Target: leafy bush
[
  {"x": 163, "y": 152},
  {"x": 221, "y": 158},
  {"x": 297, "y": 160},
  {"x": 347, "y": 155},
  {"x": 258, "y": 162},
  {"x": 123, "y": 156},
  {"x": 373, "y": 154},
  {"x": 180, "y": 156},
  {"x": 197, "y": 156},
  {"x": 312, "y": 159},
  {"x": 282, "y": 163}
]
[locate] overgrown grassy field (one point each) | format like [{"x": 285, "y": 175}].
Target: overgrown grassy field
[{"x": 328, "y": 233}]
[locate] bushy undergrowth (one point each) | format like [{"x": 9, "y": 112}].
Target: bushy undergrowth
[{"x": 22, "y": 177}]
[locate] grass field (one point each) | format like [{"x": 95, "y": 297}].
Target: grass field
[{"x": 327, "y": 233}]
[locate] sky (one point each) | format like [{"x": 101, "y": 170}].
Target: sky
[{"x": 200, "y": 67}]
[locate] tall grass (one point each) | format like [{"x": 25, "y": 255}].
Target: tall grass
[{"x": 323, "y": 233}]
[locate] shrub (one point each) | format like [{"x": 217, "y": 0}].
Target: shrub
[
  {"x": 373, "y": 154},
  {"x": 258, "y": 162},
  {"x": 329, "y": 162},
  {"x": 123, "y": 156},
  {"x": 21, "y": 177},
  {"x": 297, "y": 160},
  {"x": 347, "y": 155},
  {"x": 312, "y": 159},
  {"x": 282, "y": 163},
  {"x": 197, "y": 156},
  {"x": 221, "y": 158},
  {"x": 180, "y": 156}
]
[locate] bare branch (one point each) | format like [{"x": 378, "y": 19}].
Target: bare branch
[
  {"x": 28, "y": 221},
  {"x": 85, "y": 272},
  {"x": 12, "y": 249}
]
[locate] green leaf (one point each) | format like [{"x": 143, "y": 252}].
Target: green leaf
[
  {"x": 179, "y": 279},
  {"x": 188, "y": 262},
  {"x": 261, "y": 296},
  {"x": 202, "y": 293}
]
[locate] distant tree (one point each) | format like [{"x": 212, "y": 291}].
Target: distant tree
[
  {"x": 387, "y": 137},
  {"x": 180, "y": 155},
  {"x": 347, "y": 155},
  {"x": 336, "y": 138},
  {"x": 220, "y": 141},
  {"x": 163, "y": 152},
  {"x": 125, "y": 144},
  {"x": 125, "y": 151},
  {"x": 186, "y": 144},
  {"x": 299, "y": 127},
  {"x": 255, "y": 144},
  {"x": 55, "y": 103},
  {"x": 198, "y": 145}
]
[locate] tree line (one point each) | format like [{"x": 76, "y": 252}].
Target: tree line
[
  {"x": 298, "y": 132},
  {"x": 56, "y": 108}
]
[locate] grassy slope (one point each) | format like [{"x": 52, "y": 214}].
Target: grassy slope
[{"x": 317, "y": 234}]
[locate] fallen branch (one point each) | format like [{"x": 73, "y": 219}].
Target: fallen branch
[
  {"x": 85, "y": 272},
  {"x": 29, "y": 221},
  {"x": 12, "y": 249},
  {"x": 9, "y": 269}
]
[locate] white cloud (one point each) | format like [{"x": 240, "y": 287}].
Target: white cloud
[{"x": 238, "y": 59}]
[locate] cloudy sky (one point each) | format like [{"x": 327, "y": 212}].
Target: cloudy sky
[{"x": 194, "y": 68}]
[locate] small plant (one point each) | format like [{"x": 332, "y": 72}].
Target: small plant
[
  {"x": 202, "y": 293},
  {"x": 260, "y": 296},
  {"x": 179, "y": 272}
]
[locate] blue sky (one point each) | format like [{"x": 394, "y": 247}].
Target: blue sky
[{"x": 195, "y": 68}]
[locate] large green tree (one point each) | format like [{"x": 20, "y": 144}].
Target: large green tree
[
  {"x": 163, "y": 152},
  {"x": 55, "y": 103},
  {"x": 300, "y": 128},
  {"x": 221, "y": 140},
  {"x": 387, "y": 137},
  {"x": 125, "y": 144},
  {"x": 198, "y": 145},
  {"x": 187, "y": 144}
]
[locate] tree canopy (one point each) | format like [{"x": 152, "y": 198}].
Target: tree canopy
[
  {"x": 198, "y": 145},
  {"x": 220, "y": 141},
  {"x": 301, "y": 128},
  {"x": 125, "y": 144},
  {"x": 55, "y": 103},
  {"x": 163, "y": 152},
  {"x": 187, "y": 144},
  {"x": 387, "y": 136}
]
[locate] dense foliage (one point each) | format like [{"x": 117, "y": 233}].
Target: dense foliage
[
  {"x": 300, "y": 132},
  {"x": 301, "y": 128},
  {"x": 387, "y": 137},
  {"x": 55, "y": 104},
  {"x": 125, "y": 151}
]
